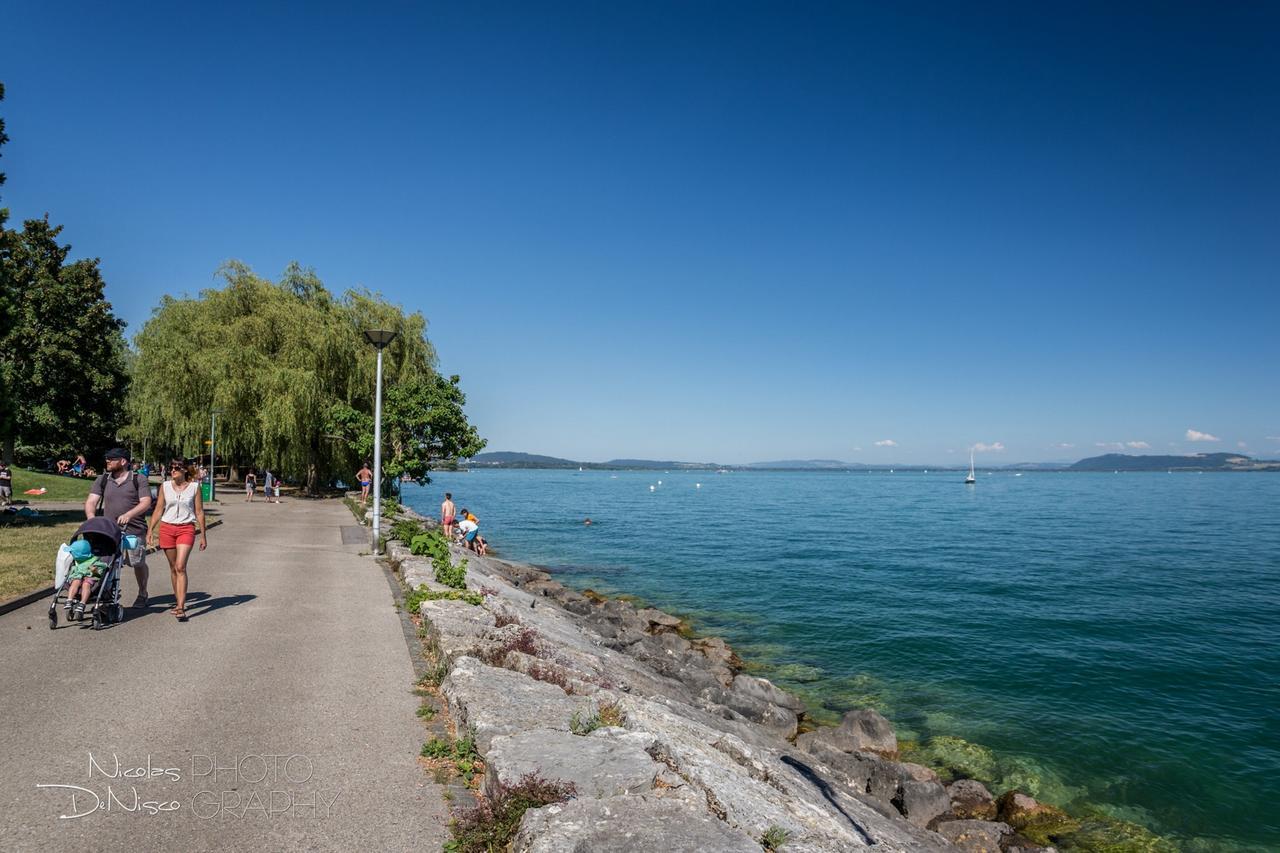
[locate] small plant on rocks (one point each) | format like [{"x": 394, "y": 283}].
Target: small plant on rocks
[
  {"x": 608, "y": 714},
  {"x": 493, "y": 822},
  {"x": 774, "y": 837}
]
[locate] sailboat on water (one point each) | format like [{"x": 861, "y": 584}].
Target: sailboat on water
[{"x": 970, "y": 480}]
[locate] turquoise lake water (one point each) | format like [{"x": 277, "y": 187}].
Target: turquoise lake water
[{"x": 1112, "y": 639}]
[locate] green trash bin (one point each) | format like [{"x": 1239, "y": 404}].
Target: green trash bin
[{"x": 206, "y": 489}]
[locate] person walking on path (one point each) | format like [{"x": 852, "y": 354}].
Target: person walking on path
[
  {"x": 250, "y": 483},
  {"x": 124, "y": 495},
  {"x": 268, "y": 481},
  {"x": 447, "y": 512},
  {"x": 179, "y": 506},
  {"x": 365, "y": 478},
  {"x": 6, "y": 484}
]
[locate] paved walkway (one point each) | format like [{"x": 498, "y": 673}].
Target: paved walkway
[{"x": 280, "y": 716}]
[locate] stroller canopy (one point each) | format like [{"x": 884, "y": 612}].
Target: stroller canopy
[{"x": 100, "y": 526}]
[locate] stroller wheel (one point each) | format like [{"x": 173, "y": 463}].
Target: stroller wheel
[
  {"x": 99, "y": 619},
  {"x": 53, "y": 617}
]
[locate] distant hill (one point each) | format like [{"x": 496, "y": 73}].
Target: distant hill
[
  {"x": 649, "y": 464},
  {"x": 508, "y": 459},
  {"x": 1194, "y": 462},
  {"x": 805, "y": 465}
]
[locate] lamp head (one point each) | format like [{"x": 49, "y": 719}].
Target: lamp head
[{"x": 380, "y": 337}]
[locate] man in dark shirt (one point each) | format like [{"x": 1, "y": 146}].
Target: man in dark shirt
[
  {"x": 125, "y": 497},
  {"x": 6, "y": 484}
]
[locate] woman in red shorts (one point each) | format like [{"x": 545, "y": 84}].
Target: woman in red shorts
[{"x": 178, "y": 509}]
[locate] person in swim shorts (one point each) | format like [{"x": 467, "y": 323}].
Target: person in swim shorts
[
  {"x": 447, "y": 512},
  {"x": 365, "y": 478}
]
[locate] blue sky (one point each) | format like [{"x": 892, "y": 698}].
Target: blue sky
[{"x": 710, "y": 230}]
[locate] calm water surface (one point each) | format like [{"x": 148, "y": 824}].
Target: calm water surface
[{"x": 1111, "y": 638}]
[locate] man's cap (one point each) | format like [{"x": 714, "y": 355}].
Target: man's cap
[{"x": 117, "y": 453}]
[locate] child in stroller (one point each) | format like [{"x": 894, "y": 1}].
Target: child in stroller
[{"x": 89, "y": 568}]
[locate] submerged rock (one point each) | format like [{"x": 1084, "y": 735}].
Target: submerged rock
[{"x": 957, "y": 758}]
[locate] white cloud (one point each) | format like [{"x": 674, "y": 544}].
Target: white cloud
[
  {"x": 1110, "y": 445},
  {"x": 1196, "y": 435},
  {"x": 1273, "y": 438},
  {"x": 1064, "y": 445},
  {"x": 994, "y": 447},
  {"x": 951, "y": 450},
  {"x": 1242, "y": 445},
  {"x": 857, "y": 450},
  {"x": 888, "y": 442},
  {"x": 1138, "y": 445}
]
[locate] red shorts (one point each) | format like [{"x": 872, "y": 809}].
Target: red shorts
[{"x": 173, "y": 535}]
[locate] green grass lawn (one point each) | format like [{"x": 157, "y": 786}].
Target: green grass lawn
[
  {"x": 28, "y": 548},
  {"x": 59, "y": 488}
]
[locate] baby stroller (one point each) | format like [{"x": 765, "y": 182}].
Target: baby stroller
[{"x": 106, "y": 541}]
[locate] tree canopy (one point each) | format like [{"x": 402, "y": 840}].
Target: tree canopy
[
  {"x": 62, "y": 350},
  {"x": 286, "y": 364}
]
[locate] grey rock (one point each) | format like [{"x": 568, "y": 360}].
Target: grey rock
[
  {"x": 970, "y": 800},
  {"x": 658, "y": 620},
  {"x": 627, "y": 825},
  {"x": 974, "y": 836},
  {"x": 870, "y": 731},
  {"x": 921, "y": 802},
  {"x": 540, "y": 587},
  {"x": 609, "y": 763},
  {"x": 497, "y": 702},
  {"x": 763, "y": 688}
]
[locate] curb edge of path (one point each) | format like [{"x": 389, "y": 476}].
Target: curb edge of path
[{"x": 32, "y": 597}]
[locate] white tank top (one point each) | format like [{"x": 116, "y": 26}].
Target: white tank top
[{"x": 179, "y": 506}]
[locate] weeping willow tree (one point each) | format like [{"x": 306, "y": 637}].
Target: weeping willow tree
[{"x": 278, "y": 359}]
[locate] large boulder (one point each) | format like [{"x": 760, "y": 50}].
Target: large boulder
[
  {"x": 868, "y": 731},
  {"x": 607, "y": 763},
  {"x": 970, "y": 800},
  {"x": 763, "y": 688},
  {"x": 625, "y": 825},
  {"x": 497, "y": 702},
  {"x": 974, "y": 836},
  {"x": 921, "y": 802}
]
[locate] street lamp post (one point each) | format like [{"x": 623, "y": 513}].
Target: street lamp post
[
  {"x": 379, "y": 338},
  {"x": 213, "y": 428}
]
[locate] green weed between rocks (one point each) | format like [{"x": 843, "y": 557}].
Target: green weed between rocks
[
  {"x": 493, "y": 822},
  {"x": 774, "y": 837},
  {"x": 404, "y": 529},
  {"x": 461, "y": 752},
  {"x": 433, "y": 544},
  {"x": 414, "y": 598},
  {"x": 427, "y": 712}
]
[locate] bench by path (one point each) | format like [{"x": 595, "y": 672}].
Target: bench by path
[{"x": 283, "y": 707}]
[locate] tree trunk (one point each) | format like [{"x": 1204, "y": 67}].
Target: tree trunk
[{"x": 8, "y": 450}]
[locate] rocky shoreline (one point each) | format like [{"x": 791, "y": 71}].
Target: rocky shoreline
[{"x": 664, "y": 741}]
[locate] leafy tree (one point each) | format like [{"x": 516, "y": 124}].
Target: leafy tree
[
  {"x": 422, "y": 424},
  {"x": 6, "y": 311},
  {"x": 62, "y": 351},
  {"x": 279, "y": 359}
]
